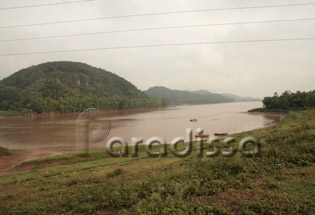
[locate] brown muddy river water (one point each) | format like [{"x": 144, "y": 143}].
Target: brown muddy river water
[{"x": 58, "y": 133}]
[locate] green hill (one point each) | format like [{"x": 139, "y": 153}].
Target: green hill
[
  {"x": 69, "y": 87},
  {"x": 179, "y": 97}
]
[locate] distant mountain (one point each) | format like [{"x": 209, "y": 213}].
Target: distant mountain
[
  {"x": 179, "y": 97},
  {"x": 228, "y": 95},
  {"x": 239, "y": 98},
  {"x": 202, "y": 92},
  {"x": 69, "y": 87}
]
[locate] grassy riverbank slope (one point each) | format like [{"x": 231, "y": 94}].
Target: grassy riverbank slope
[{"x": 280, "y": 181}]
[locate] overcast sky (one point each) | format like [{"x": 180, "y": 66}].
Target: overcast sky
[{"x": 246, "y": 69}]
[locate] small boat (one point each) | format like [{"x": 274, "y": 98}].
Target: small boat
[
  {"x": 204, "y": 136},
  {"x": 193, "y": 120},
  {"x": 220, "y": 134}
]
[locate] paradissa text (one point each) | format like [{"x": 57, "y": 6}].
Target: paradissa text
[{"x": 209, "y": 148}]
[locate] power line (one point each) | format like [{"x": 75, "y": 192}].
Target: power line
[
  {"x": 42, "y": 5},
  {"x": 155, "y": 14},
  {"x": 159, "y": 45},
  {"x": 156, "y": 28}
]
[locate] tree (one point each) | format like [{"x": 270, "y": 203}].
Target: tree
[
  {"x": 37, "y": 105},
  {"x": 8, "y": 97},
  {"x": 289, "y": 100}
]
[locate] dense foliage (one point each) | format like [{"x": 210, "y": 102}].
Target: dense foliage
[
  {"x": 69, "y": 87},
  {"x": 288, "y": 100},
  {"x": 179, "y": 97}
]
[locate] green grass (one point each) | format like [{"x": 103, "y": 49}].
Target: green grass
[
  {"x": 5, "y": 151},
  {"x": 8, "y": 113},
  {"x": 57, "y": 158},
  {"x": 268, "y": 110},
  {"x": 280, "y": 181}
]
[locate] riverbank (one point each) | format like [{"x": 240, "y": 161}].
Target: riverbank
[
  {"x": 280, "y": 181},
  {"x": 281, "y": 114},
  {"x": 11, "y": 162},
  {"x": 4, "y": 151},
  {"x": 264, "y": 110},
  {"x": 15, "y": 114},
  {"x": 276, "y": 111},
  {"x": 4, "y": 114}
]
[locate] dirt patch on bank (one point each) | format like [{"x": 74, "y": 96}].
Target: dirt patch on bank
[{"x": 9, "y": 162}]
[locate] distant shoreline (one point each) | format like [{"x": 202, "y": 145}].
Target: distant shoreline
[
  {"x": 16, "y": 114},
  {"x": 34, "y": 115}
]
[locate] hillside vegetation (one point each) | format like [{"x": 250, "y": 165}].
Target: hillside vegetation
[
  {"x": 179, "y": 97},
  {"x": 69, "y": 87},
  {"x": 279, "y": 181},
  {"x": 236, "y": 98},
  {"x": 288, "y": 101}
]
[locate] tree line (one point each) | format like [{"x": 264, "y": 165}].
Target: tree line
[
  {"x": 289, "y": 100},
  {"x": 12, "y": 98}
]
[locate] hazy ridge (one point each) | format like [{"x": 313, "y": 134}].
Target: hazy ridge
[{"x": 179, "y": 97}]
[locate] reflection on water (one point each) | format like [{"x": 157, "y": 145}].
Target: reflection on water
[{"x": 59, "y": 132}]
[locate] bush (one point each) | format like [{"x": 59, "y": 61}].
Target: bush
[{"x": 4, "y": 151}]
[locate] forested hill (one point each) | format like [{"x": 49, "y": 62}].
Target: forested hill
[
  {"x": 69, "y": 87},
  {"x": 236, "y": 98},
  {"x": 179, "y": 97}
]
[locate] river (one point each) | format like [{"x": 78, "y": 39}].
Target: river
[{"x": 58, "y": 133}]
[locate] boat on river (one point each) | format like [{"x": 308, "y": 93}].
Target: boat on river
[
  {"x": 204, "y": 136},
  {"x": 220, "y": 134}
]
